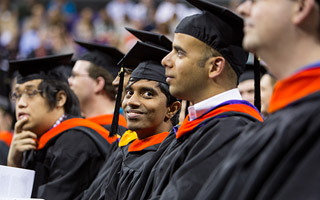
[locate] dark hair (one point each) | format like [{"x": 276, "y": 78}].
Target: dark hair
[
  {"x": 95, "y": 71},
  {"x": 170, "y": 99},
  {"x": 231, "y": 75},
  {"x": 49, "y": 90}
]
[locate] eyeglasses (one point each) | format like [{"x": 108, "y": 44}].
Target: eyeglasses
[{"x": 28, "y": 93}]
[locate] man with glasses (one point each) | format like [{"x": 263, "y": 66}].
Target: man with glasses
[
  {"x": 279, "y": 159},
  {"x": 91, "y": 80},
  {"x": 65, "y": 150}
]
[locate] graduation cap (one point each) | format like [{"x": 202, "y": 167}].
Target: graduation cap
[
  {"x": 55, "y": 67},
  {"x": 254, "y": 70},
  {"x": 101, "y": 55},
  {"x": 145, "y": 60},
  {"x": 219, "y": 28},
  {"x": 155, "y": 39}
]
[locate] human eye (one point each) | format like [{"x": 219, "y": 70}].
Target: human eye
[
  {"x": 73, "y": 75},
  {"x": 129, "y": 93},
  {"x": 15, "y": 96},
  {"x": 127, "y": 71},
  {"x": 148, "y": 94},
  {"x": 30, "y": 92},
  {"x": 180, "y": 53}
]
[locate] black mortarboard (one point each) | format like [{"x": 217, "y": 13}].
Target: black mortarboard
[
  {"x": 219, "y": 28},
  {"x": 248, "y": 74},
  {"x": 145, "y": 59},
  {"x": 101, "y": 55},
  {"x": 142, "y": 51},
  {"x": 155, "y": 39},
  {"x": 55, "y": 67}
]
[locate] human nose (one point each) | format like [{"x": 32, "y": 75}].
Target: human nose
[
  {"x": 21, "y": 101},
  {"x": 115, "y": 82},
  {"x": 244, "y": 8},
  {"x": 132, "y": 101},
  {"x": 167, "y": 60},
  {"x": 70, "y": 79}
]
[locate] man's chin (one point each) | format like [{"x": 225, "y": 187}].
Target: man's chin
[{"x": 249, "y": 45}]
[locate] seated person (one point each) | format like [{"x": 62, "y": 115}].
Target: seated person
[{"x": 49, "y": 137}]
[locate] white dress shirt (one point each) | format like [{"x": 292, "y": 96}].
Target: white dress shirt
[{"x": 202, "y": 107}]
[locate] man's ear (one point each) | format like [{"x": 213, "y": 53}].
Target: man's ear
[
  {"x": 61, "y": 98},
  {"x": 215, "y": 66},
  {"x": 100, "y": 82},
  {"x": 303, "y": 10},
  {"x": 173, "y": 109}
]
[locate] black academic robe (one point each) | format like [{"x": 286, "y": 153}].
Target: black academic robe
[
  {"x": 108, "y": 176},
  {"x": 5, "y": 141},
  {"x": 68, "y": 158},
  {"x": 106, "y": 121},
  {"x": 135, "y": 158},
  {"x": 183, "y": 162},
  {"x": 279, "y": 159},
  {"x": 4, "y": 149}
]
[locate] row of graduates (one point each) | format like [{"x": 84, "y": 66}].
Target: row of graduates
[{"x": 222, "y": 150}]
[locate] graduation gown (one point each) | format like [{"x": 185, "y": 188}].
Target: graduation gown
[
  {"x": 278, "y": 159},
  {"x": 108, "y": 176},
  {"x": 5, "y": 141},
  {"x": 106, "y": 121},
  {"x": 4, "y": 150},
  {"x": 135, "y": 158},
  {"x": 189, "y": 154},
  {"x": 68, "y": 158}
]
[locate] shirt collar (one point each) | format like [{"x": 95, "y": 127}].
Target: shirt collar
[
  {"x": 202, "y": 107},
  {"x": 62, "y": 118}
]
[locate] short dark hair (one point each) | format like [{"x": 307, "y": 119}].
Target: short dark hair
[
  {"x": 49, "y": 90},
  {"x": 95, "y": 71},
  {"x": 170, "y": 99},
  {"x": 229, "y": 71}
]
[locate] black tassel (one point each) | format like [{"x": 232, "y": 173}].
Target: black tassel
[
  {"x": 115, "y": 120},
  {"x": 257, "y": 95}
]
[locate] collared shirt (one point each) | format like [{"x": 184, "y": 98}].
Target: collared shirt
[
  {"x": 202, "y": 107},
  {"x": 62, "y": 118}
]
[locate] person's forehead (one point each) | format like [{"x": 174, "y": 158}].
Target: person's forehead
[
  {"x": 28, "y": 84},
  {"x": 144, "y": 83},
  {"x": 81, "y": 65},
  {"x": 182, "y": 39},
  {"x": 246, "y": 84}
]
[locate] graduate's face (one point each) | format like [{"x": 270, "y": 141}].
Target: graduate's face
[
  {"x": 265, "y": 22},
  {"x": 246, "y": 89},
  {"x": 266, "y": 92},
  {"x": 34, "y": 107},
  {"x": 81, "y": 83},
  {"x": 145, "y": 108},
  {"x": 187, "y": 79}
]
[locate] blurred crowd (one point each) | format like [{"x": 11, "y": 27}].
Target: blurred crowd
[{"x": 31, "y": 28}]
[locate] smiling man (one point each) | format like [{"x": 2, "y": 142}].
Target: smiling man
[
  {"x": 203, "y": 68},
  {"x": 65, "y": 150},
  {"x": 279, "y": 159},
  {"x": 150, "y": 110}
]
